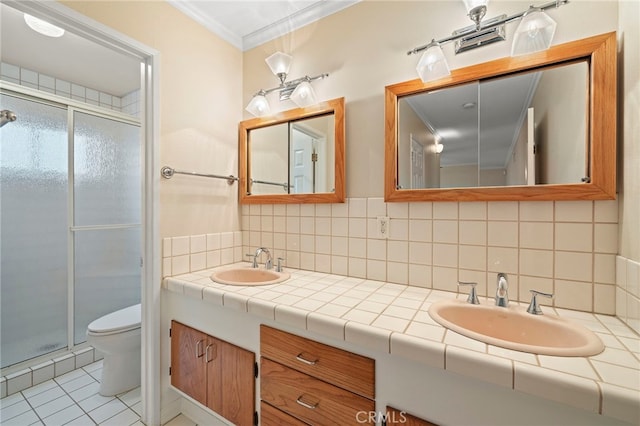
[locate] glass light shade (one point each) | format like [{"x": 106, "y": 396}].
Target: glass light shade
[
  {"x": 534, "y": 33},
  {"x": 438, "y": 147},
  {"x": 472, "y": 4},
  {"x": 258, "y": 106},
  {"x": 43, "y": 27},
  {"x": 304, "y": 95},
  {"x": 433, "y": 65},
  {"x": 279, "y": 63}
]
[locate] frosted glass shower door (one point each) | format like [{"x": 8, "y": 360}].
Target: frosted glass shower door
[
  {"x": 33, "y": 229},
  {"x": 107, "y": 209}
]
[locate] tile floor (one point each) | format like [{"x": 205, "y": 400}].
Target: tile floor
[{"x": 73, "y": 399}]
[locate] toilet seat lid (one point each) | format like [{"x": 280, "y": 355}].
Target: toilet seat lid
[{"x": 122, "y": 320}]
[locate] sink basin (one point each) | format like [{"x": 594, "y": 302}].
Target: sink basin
[
  {"x": 514, "y": 328},
  {"x": 249, "y": 276}
]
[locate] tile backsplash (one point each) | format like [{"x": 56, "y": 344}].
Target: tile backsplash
[
  {"x": 628, "y": 292},
  {"x": 181, "y": 255},
  {"x": 563, "y": 247}
]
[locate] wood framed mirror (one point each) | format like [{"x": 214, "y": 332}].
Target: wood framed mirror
[
  {"x": 297, "y": 156},
  {"x": 568, "y": 154}
]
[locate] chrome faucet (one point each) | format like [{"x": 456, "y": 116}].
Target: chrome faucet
[
  {"x": 502, "y": 295},
  {"x": 268, "y": 264}
]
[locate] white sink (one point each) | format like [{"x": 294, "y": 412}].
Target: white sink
[
  {"x": 249, "y": 276},
  {"x": 514, "y": 328}
]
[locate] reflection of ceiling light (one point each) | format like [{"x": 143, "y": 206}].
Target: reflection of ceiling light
[
  {"x": 299, "y": 90},
  {"x": 43, "y": 27},
  {"x": 534, "y": 33},
  {"x": 438, "y": 147},
  {"x": 468, "y": 105}
]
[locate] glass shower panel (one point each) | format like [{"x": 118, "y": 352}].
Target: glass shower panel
[
  {"x": 107, "y": 205},
  {"x": 107, "y": 170},
  {"x": 33, "y": 229},
  {"x": 107, "y": 274}
]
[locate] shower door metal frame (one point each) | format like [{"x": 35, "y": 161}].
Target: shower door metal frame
[{"x": 72, "y": 106}]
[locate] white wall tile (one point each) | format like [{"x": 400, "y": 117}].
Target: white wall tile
[
  {"x": 180, "y": 246},
  {"x": 573, "y": 295},
  {"x": 398, "y": 210},
  {"x": 420, "y": 230},
  {"x": 573, "y": 237},
  {"x": 357, "y": 207},
  {"x": 536, "y": 235},
  {"x": 502, "y": 210},
  {"x": 473, "y": 257},
  {"x": 399, "y": 229},
  {"x": 537, "y": 263},
  {"x": 573, "y": 266},
  {"x": 339, "y": 246},
  {"x": 605, "y": 238},
  {"x": 18, "y": 381},
  {"x": 445, "y": 255},
  {"x": 198, "y": 243},
  {"x": 502, "y": 234},
  {"x": 472, "y": 232},
  {"x": 420, "y": 210},
  {"x": 502, "y": 259},
  {"x": 376, "y": 207},
  {"x": 445, "y": 210},
  {"x": 445, "y": 231},
  {"x": 605, "y": 211},
  {"x": 445, "y": 278},
  {"x": 339, "y": 210},
  {"x": 574, "y": 211},
  {"x": 473, "y": 211}
]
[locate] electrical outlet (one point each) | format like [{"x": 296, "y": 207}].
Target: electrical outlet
[{"x": 383, "y": 226}]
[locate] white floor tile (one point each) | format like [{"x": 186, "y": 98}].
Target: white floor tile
[
  {"x": 78, "y": 383},
  {"x": 11, "y": 399},
  {"x": 92, "y": 367},
  {"x": 85, "y": 392},
  {"x": 81, "y": 421},
  {"x": 46, "y": 396},
  {"x": 14, "y": 410},
  {"x": 180, "y": 420},
  {"x": 72, "y": 375},
  {"x": 131, "y": 397},
  {"x": 64, "y": 416},
  {"x": 137, "y": 408},
  {"x": 123, "y": 418},
  {"x": 51, "y": 407},
  {"x": 94, "y": 401},
  {"x": 107, "y": 410},
  {"x": 26, "y": 418},
  {"x": 42, "y": 387}
]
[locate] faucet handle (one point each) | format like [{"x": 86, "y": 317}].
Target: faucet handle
[
  {"x": 473, "y": 294},
  {"x": 279, "y": 264},
  {"x": 534, "y": 308}
]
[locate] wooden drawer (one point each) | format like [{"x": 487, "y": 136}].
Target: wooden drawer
[
  {"x": 342, "y": 368},
  {"x": 309, "y": 399},
  {"x": 271, "y": 416}
]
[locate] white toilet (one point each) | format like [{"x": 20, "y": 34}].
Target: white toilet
[{"x": 117, "y": 336}]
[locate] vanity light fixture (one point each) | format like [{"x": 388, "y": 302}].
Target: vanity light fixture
[
  {"x": 298, "y": 91},
  {"x": 534, "y": 33},
  {"x": 43, "y": 27}
]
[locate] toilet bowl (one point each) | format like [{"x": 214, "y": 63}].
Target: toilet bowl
[{"x": 117, "y": 336}]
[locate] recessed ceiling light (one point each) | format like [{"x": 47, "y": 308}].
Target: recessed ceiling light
[{"x": 43, "y": 27}]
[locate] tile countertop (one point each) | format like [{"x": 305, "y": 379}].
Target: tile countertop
[{"x": 393, "y": 318}]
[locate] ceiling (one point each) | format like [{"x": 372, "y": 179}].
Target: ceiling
[{"x": 245, "y": 24}]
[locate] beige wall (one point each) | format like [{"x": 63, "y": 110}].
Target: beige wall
[
  {"x": 629, "y": 128},
  {"x": 200, "y": 104},
  {"x": 364, "y": 49}
]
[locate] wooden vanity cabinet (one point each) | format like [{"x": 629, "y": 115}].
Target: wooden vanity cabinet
[
  {"x": 215, "y": 373},
  {"x": 315, "y": 383}
]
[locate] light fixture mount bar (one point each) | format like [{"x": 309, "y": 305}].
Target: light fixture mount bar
[
  {"x": 485, "y": 25},
  {"x": 287, "y": 87}
]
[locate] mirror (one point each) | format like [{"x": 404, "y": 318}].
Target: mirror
[
  {"x": 294, "y": 157},
  {"x": 534, "y": 127}
]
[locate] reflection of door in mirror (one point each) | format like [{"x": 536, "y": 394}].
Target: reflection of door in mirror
[
  {"x": 484, "y": 129},
  {"x": 308, "y": 157},
  {"x": 417, "y": 164}
]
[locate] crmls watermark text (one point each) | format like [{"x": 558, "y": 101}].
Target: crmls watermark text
[{"x": 380, "y": 417}]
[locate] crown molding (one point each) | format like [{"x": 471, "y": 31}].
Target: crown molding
[{"x": 298, "y": 19}]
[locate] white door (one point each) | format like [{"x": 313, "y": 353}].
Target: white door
[
  {"x": 306, "y": 174},
  {"x": 531, "y": 149},
  {"x": 417, "y": 164}
]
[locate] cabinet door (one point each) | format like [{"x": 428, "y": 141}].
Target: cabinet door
[
  {"x": 231, "y": 381},
  {"x": 188, "y": 369}
]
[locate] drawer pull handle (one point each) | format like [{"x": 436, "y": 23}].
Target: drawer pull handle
[
  {"x": 305, "y": 405},
  {"x": 300, "y": 358},
  {"x": 198, "y": 347},
  {"x": 206, "y": 351}
]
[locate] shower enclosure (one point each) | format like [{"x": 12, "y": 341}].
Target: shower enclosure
[{"x": 70, "y": 213}]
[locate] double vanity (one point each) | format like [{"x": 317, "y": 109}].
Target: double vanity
[{"x": 412, "y": 363}]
